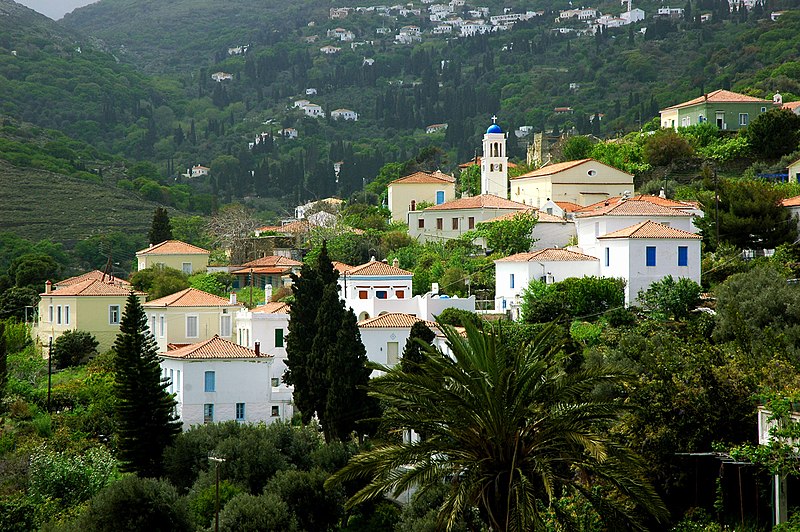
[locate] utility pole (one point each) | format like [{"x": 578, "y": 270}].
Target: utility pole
[
  {"x": 49, "y": 371},
  {"x": 216, "y": 461},
  {"x": 716, "y": 203}
]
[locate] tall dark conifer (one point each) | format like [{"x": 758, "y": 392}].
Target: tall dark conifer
[
  {"x": 413, "y": 354},
  {"x": 144, "y": 409},
  {"x": 3, "y": 362},
  {"x": 160, "y": 228}
]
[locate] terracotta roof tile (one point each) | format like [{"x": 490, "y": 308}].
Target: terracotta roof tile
[
  {"x": 214, "y": 347},
  {"x": 791, "y": 105},
  {"x": 375, "y": 267},
  {"x": 275, "y": 307},
  {"x": 551, "y": 169},
  {"x": 650, "y": 229},
  {"x": 191, "y": 297},
  {"x": 548, "y": 255},
  {"x": 341, "y": 267},
  {"x": 484, "y": 201},
  {"x": 272, "y": 260},
  {"x": 261, "y": 270},
  {"x": 791, "y": 202},
  {"x": 655, "y": 200},
  {"x": 394, "y": 320},
  {"x": 424, "y": 177},
  {"x": 292, "y": 228},
  {"x": 173, "y": 247},
  {"x": 568, "y": 206},
  {"x": 92, "y": 287},
  {"x": 720, "y": 96},
  {"x": 96, "y": 275},
  {"x": 631, "y": 208}
]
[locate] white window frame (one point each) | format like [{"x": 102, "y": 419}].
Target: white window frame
[
  {"x": 744, "y": 119},
  {"x": 186, "y": 267},
  {"x": 112, "y": 313},
  {"x": 222, "y": 327},
  {"x": 236, "y": 412},
  {"x": 50, "y": 313},
  {"x": 66, "y": 315},
  {"x": 162, "y": 325},
  {"x": 58, "y": 314},
  {"x": 196, "y": 319}
]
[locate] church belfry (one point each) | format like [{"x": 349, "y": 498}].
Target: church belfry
[{"x": 494, "y": 162}]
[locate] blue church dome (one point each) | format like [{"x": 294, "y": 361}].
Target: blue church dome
[{"x": 494, "y": 128}]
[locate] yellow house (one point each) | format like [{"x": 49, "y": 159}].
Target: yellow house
[
  {"x": 407, "y": 192},
  {"x": 584, "y": 182},
  {"x": 174, "y": 254},
  {"x": 190, "y": 316},
  {"x": 794, "y": 172},
  {"x": 89, "y": 305}
]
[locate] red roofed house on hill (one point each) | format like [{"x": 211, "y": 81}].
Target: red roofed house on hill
[
  {"x": 725, "y": 109},
  {"x": 406, "y": 193},
  {"x": 218, "y": 380},
  {"x": 174, "y": 254}
]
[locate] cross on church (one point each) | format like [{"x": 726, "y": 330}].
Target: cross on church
[{"x": 494, "y": 119}]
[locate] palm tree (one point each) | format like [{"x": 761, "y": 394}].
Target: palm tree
[{"x": 509, "y": 431}]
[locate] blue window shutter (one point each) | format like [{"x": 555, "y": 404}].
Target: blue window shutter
[
  {"x": 439, "y": 197},
  {"x": 210, "y": 383},
  {"x": 683, "y": 255},
  {"x": 651, "y": 256}
]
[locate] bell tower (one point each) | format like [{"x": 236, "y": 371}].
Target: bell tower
[{"x": 494, "y": 163}]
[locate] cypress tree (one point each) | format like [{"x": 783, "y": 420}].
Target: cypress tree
[
  {"x": 160, "y": 228},
  {"x": 3, "y": 361},
  {"x": 144, "y": 409},
  {"x": 413, "y": 353}
]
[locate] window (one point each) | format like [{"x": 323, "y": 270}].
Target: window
[
  {"x": 597, "y": 229},
  {"x": 400, "y": 294},
  {"x": 50, "y": 313},
  {"x": 683, "y": 255},
  {"x": 439, "y": 197},
  {"x": 162, "y": 326},
  {"x": 362, "y": 294},
  {"x": 225, "y": 325},
  {"x": 186, "y": 267},
  {"x": 763, "y": 109},
  {"x": 210, "y": 382},
  {"x": 511, "y": 281},
  {"x": 381, "y": 294},
  {"x": 171, "y": 381},
  {"x": 391, "y": 353},
  {"x": 455, "y": 224},
  {"x": 743, "y": 119},
  {"x": 607, "y": 256},
  {"x": 439, "y": 224},
  {"x": 471, "y": 222},
  {"x": 58, "y": 314},
  {"x": 208, "y": 413},
  {"x": 191, "y": 326},
  {"x": 113, "y": 314},
  {"x": 239, "y": 411},
  {"x": 66, "y": 314},
  {"x": 591, "y": 173},
  {"x": 421, "y": 223},
  {"x": 276, "y": 411},
  {"x": 153, "y": 325},
  {"x": 650, "y": 256},
  {"x": 278, "y": 337},
  {"x": 276, "y": 382}
]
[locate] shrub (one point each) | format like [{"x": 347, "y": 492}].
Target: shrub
[
  {"x": 668, "y": 298},
  {"x": 313, "y": 506},
  {"x": 69, "y": 477},
  {"x": 584, "y": 298},
  {"x": 251, "y": 513},
  {"x": 457, "y": 317},
  {"x": 665, "y": 146},
  {"x": 72, "y": 347}
]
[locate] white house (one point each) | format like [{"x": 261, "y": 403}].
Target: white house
[
  {"x": 514, "y": 273},
  {"x": 647, "y": 252},
  {"x": 344, "y": 114},
  {"x": 385, "y": 336},
  {"x": 313, "y": 110},
  {"x": 218, "y": 380},
  {"x": 793, "y": 204},
  {"x": 330, "y": 50},
  {"x": 634, "y": 15},
  {"x": 615, "y": 215},
  {"x": 198, "y": 171},
  {"x": 268, "y": 326},
  {"x": 288, "y": 133},
  {"x": 219, "y": 77},
  {"x": 435, "y": 128}
]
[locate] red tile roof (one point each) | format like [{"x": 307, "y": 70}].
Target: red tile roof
[
  {"x": 173, "y": 247},
  {"x": 720, "y": 96},
  {"x": 791, "y": 105},
  {"x": 96, "y": 275},
  {"x": 541, "y": 217},
  {"x": 424, "y": 177},
  {"x": 375, "y": 267},
  {"x": 272, "y": 260},
  {"x": 655, "y": 200},
  {"x": 568, "y": 206},
  {"x": 92, "y": 287},
  {"x": 791, "y": 202},
  {"x": 631, "y": 208},
  {"x": 192, "y": 297},
  {"x": 341, "y": 267},
  {"x": 548, "y": 255},
  {"x": 275, "y": 307},
  {"x": 393, "y": 320},
  {"x": 292, "y": 228},
  {"x": 551, "y": 169},
  {"x": 261, "y": 270},
  {"x": 650, "y": 229},
  {"x": 213, "y": 348},
  {"x": 484, "y": 201}
]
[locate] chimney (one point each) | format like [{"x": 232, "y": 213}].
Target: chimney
[
  {"x": 233, "y": 298},
  {"x": 267, "y": 293},
  {"x": 395, "y": 262},
  {"x": 257, "y": 348},
  {"x": 48, "y": 287}
]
